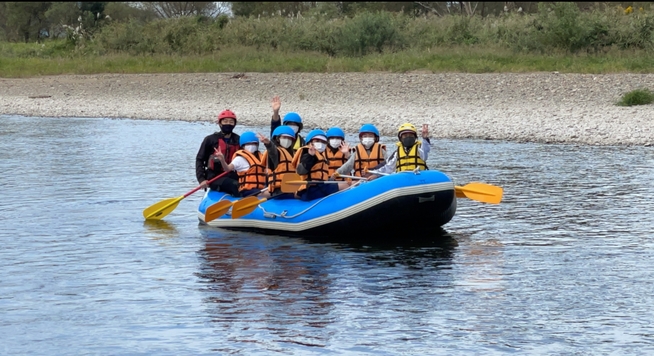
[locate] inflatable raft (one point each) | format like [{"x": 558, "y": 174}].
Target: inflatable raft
[{"x": 394, "y": 205}]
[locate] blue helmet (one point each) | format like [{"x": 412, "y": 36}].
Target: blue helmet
[
  {"x": 335, "y": 132},
  {"x": 248, "y": 137},
  {"x": 292, "y": 117},
  {"x": 369, "y": 128},
  {"x": 314, "y": 133},
  {"x": 283, "y": 130}
]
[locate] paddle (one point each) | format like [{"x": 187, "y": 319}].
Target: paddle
[
  {"x": 337, "y": 175},
  {"x": 159, "y": 210},
  {"x": 485, "y": 193},
  {"x": 222, "y": 207},
  {"x": 247, "y": 205},
  {"x": 290, "y": 184},
  {"x": 482, "y": 192},
  {"x": 291, "y": 180}
]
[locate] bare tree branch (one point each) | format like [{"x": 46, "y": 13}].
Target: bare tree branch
[
  {"x": 429, "y": 8},
  {"x": 171, "y": 9}
]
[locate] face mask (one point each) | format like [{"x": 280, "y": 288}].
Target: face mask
[
  {"x": 367, "y": 142},
  {"x": 335, "y": 142},
  {"x": 251, "y": 148},
  {"x": 319, "y": 146},
  {"x": 285, "y": 142},
  {"x": 226, "y": 129},
  {"x": 294, "y": 128},
  {"x": 408, "y": 141}
]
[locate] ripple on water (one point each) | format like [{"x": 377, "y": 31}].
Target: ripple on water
[{"x": 562, "y": 265}]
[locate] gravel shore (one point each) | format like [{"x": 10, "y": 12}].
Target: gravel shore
[{"x": 532, "y": 107}]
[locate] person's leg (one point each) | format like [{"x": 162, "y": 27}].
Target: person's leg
[
  {"x": 230, "y": 186},
  {"x": 250, "y": 192},
  {"x": 343, "y": 185},
  {"x": 311, "y": 193},
  {"x": 328, "y": 189},
  {"x": 284, "y": 196}
]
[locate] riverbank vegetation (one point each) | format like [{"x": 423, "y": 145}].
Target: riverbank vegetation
[
  {"x": 323, "y": 37},
  {"x": 637, "y": 97}
]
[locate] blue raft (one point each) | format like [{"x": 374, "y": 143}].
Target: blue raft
[{"x": 402, "y": 203}]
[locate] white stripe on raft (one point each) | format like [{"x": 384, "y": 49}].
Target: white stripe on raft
[{"x": 333, "y": 217}]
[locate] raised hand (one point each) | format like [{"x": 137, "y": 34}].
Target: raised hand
[
  {"x": 345, "y": 149},
  {"x": 425, "y": 130},
  {"x": 312, "y": 150},
  {"x": 276, "y": 104},
  {"x": 219, "y": 154},
  {"x": 263, "y": 139}
]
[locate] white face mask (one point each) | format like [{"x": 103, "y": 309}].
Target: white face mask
[
  {"x": 285, "y": 142},
  {"x": 335, "y": 142},
  {"x": 251, "y": 148},
  {"x": 367, "y": 142},
  {"x": 294, "y": 128},
  {"x": 319, "y": 146}
]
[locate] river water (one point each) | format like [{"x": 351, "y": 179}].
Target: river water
[{"x": 564, "y": 265}]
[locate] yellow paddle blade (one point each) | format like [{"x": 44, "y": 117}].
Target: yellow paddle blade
[
  {"x": 245, "y": 206},
  {"x": 217, "y": 210},
  {"x": 482, "y": 192},
  {"x": 158, "y": 210},
  {"x": 287, "y": 186}
]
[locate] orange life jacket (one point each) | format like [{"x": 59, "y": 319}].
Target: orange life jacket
[
  {"x": 319, "y": 171},
  {"x": 284, "y": 166},
  {"x": 364, "y": 160},
  {"x": 336, "y": 160},
  {"x": 255, "y": 177}
]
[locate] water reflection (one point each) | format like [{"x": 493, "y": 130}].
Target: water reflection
[
  {"x": 160, "y": 229},
  {"x": 266, "y": 285},
  {"x": 431, "y": 251}
]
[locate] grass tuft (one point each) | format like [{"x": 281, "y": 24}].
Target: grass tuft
[{"x": 637, "y": 97}]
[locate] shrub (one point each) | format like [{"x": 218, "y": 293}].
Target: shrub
[{"x": 637, "y": 97}]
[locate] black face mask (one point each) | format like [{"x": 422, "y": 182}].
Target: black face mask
[
  {"x": 227, "y": 129},
  {"x": 408, "y": 141}
]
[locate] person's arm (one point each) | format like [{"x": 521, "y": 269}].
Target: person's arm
[
  {"x": 240, "y": 164},
  {"x": 389, "y": 167},
  {"x": 307, "y": 160},
  {"x": 273, "y": 155},
  {"x": 424, "y": 149},
  {"x": 347, "y": 167},
  {"x": 201, "y": 161},
  {"x": 426, "y": 144},
  {"x": 276, "y": 119}
]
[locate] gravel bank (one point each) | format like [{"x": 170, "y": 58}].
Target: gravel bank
[{"x": 533, "y": 107}]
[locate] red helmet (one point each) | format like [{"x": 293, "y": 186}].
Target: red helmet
[{"x": 226, "y": 114}]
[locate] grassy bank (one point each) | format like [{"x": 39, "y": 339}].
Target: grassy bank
[
  {"x": 558, "y": 38},
  {"x": 452, "y": 59}
]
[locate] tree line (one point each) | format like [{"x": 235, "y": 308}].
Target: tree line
[
  {"x": 332, "y": 28},
  {"x": 36, "y": 21}
]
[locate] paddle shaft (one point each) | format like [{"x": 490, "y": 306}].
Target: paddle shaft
[
  {"x": 351, "y": 177},
  {"x": 208, "y": 182},
  {"x": 162, "y": 208}
]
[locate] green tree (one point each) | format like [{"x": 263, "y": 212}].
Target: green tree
[
  {"x": 26, "y": 20},
  {"x": 123, "y": 12},
  {"x": 3, "y": 21},
  {"x": 62, "y": 14}
]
